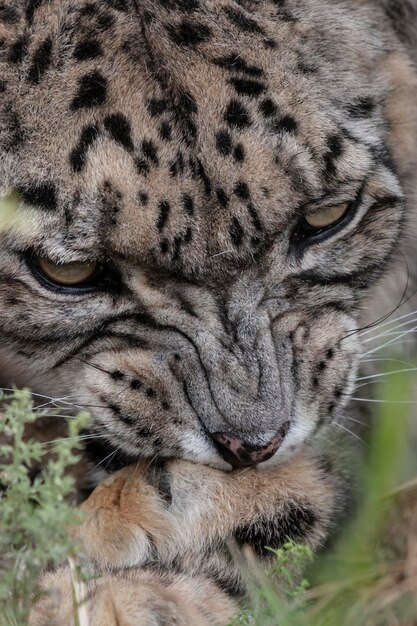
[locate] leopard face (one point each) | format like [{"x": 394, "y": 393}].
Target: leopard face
[{"x": 232, "y": 174}]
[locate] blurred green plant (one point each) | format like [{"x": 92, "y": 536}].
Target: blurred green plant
[
  {"x": 34, "y": 514},
  {"x": 9, "y": 206}
]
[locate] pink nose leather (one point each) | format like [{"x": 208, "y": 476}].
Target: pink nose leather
[{"x": 239, "y": 453}]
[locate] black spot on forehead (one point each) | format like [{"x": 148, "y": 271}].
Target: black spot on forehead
[
  {"x": 177, "y": 165},
  {"x": 222, "y": 197},
  {"x": 14, "y": 136},
  {"x": 268, "y": 107},
  {"x": 224, "y": 142},
  {"x": 88, "y": 49},
  {"x": 41, "y": 61},
  {"x": 119, "y": 5},
  {"x": 105, "y": 21},
  {"x": 78, "y": 155},
  {"x": 307, "y": 68},
  {"x": 247, "y": 87},
  {"x": 254, "y": 217},
  {"x": 236, "y": 232},
  {"x": 17, "y": 50},
  {"x": 242, "y": 190},
  {"x": 42, "y": 195},
  {"x": 287, "y": 124},
  {"x": 188, "y": 203},
  {"x": 3, "y": 86},
  {"x": 150, "y": 151},
  {"x": 164, "y": 246},
  {"x": 189, "y": 33},
  {"x": 8, "y": 14},
  {"x": 118, "y": 126},
  {"x": 92, "y": 91},
  {"x": 237, "y": 115},
  {"x": 235, "y": 63},
  {"x": 187, "y": 104},
  {"x": 239, "y": 153},
  {"x": 202, "y": 174},
  {"x": 142, "y": 166},
  {"x": 180, "y": 5},
  {"x": 88, "y": 9},
  {"x": 143, "y": 198},
  {"x": 157, "y": 106},
  {"x": 31, "y": 7},
  {"x": 243, "y": 21},
  {"x": 164, "y": 210},
  {"x": 165, "y": 131}
]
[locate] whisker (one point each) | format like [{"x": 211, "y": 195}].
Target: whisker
[
  {"x": 32, "y": 393},
  {"x": 112, "y": 455},
  {"x": 352, "y": 419},
  {"x": 381, "y": 375},
  {"x": 350, "y": 433},
  {"x": 79, "y": 438},
  {"x": 397, "y": 319},
  {"x": 384, "y": 359},
  {"x": 401, "y": 303},
  {"x": 388, "y": 343},
  {"x": 389, "y": 331},
  {"x": 376, "y": 401}
]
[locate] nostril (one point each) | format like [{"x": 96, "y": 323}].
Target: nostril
[{"x": 240, "y": 453}]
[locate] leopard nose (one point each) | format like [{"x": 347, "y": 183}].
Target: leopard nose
[{"x": 240, "y": 453}]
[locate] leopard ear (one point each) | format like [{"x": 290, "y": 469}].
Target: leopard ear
[{"x": 403, "y": 17}]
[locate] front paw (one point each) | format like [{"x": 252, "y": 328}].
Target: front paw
[{"x": 126, "y": 517}]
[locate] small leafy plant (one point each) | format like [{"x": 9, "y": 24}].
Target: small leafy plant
[
  {"x": 277, "y": 593},
  {"x": 34, "y": 514}
]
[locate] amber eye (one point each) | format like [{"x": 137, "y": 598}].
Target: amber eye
[
  {"x": 66, "y": 274},
  {"x": 326, "y": 216}
]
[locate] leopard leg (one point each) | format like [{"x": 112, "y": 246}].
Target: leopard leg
[{"x": 134, "y": 597}]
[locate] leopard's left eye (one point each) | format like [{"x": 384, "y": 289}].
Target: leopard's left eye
[
  {"x": 325, "y": 217},
  {"x": 67, "y": 274},
  {"x": 66, "y": 277}
]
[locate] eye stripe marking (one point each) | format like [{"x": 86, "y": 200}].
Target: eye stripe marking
[{"x": 41, "y": 195}]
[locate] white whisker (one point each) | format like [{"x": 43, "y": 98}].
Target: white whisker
[
  {"x": 390, "y": 334},
  {"x": 384, "y": 401},
  {"x": 382, "y": 359},
  {"x": 388, "y": 343},
  {"x": 381, "y": 375},
  {"x": 112, "y": 455},
  {"x": 350, "y": 432},
  {"x": 378, "y": 326}
]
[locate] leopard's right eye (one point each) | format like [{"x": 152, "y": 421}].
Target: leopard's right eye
[{"x": 325, "y": 217}]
